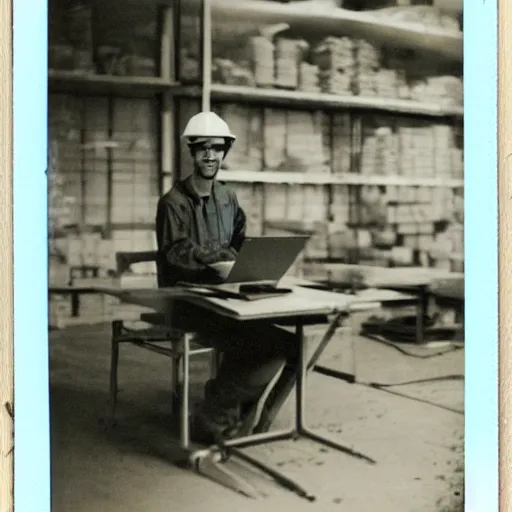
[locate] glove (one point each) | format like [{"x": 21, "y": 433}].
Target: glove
[{"x": 209, "y": 257}]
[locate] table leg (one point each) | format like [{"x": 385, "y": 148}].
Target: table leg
[
  {"x": 231, "y": 447},
  {"x": 271, "y": 412},
  {"x": 300, "y": 416},
  {"x": 350, "y": 377}
]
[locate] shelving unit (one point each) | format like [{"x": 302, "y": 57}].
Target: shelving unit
[
  {"x": 300, "y": 178},
  {"x": 306, "y": 18},
  {"x": 176, "y": 96},
  {"x": 87, "y": 83}
]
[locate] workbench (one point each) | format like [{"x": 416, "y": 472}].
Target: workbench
[
  {"x": 303, "y": 306},
  {"x": 423, "y": 282}
]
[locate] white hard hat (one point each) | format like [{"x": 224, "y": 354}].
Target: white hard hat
[{"x": 207, "y": 124}]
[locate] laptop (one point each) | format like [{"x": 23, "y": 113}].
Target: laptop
[
  {"x": 265, "y": 259},
  {"x": 260, "y": 265}
]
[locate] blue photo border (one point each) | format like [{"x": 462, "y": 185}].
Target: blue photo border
[{"x": 32, "y": 450}]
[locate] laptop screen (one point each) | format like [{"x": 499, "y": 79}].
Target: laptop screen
[{"x": 266, "y": 258}]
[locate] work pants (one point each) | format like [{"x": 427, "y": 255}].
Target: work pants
[{"x": 252, "y": 353}]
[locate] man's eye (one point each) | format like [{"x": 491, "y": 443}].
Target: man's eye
[{"x": 216, "y": 148}]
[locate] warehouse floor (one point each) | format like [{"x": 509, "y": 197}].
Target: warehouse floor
[{"x": 418, "y": 446}]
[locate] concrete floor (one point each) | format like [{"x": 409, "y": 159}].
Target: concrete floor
[{"x": 417, "y": 446}]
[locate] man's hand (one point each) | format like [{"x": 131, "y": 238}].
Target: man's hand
[{"x": 209, "y": 257}]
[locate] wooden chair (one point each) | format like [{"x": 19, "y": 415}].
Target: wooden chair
[{"x": 179, "y": 346}]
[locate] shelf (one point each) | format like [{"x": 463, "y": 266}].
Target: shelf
[
  {"x": 75, "y": 81},
  {"x": 329, "y": 179},
  {"x": 298, "y": 98},
  {"x": 317, "y": 19},
  {"x": 310, "y": 100},
  {"x": 66, "y": 81}
]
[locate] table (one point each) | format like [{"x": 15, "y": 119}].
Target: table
[
  {"x": 296, "y": 308},
  {"x": 420, "y": 281}
]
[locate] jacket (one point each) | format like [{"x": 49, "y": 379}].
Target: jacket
[{"x": 193, "y": 232}]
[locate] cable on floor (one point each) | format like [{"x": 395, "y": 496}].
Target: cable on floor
[
  {"x": 404, "y": 351},
  {"x": 422, "y": 400}
]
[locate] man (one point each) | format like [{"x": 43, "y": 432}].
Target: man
[{"x": 199, "y": 222}]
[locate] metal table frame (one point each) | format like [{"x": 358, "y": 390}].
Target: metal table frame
[
  {"x": 300, "y": 430},
  {"x": 208, "y": 460}
]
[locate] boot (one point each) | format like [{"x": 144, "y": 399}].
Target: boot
[{"x": 217, "y": 418}]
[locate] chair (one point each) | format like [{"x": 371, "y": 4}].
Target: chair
[{"x": 179, "y": 346}]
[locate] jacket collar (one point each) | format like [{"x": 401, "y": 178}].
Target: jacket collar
[{"x": 219, "y": 191}]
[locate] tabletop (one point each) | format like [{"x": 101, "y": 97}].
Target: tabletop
[
  {"x": 390, "y": 276},
  {"x": 302, "y": 301}
]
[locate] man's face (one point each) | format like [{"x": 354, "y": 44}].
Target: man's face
[{"x": 208, "y": 155}]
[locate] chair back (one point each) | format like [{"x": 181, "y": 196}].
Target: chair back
[{"x": 124, "y": 261}]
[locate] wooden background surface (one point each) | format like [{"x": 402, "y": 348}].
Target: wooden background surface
[
  {"x": 505, "y": 244},
  {"x": 6, "y": 284}
]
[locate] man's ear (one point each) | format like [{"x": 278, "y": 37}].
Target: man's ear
[{"x": 228, "y": 146}]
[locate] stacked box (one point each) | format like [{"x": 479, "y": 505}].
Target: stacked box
[
  {"x": 262, "y": 53},
  {"x": 308, "y": 77},
  {"x": 92, "y": 306},
  {"x": 106, "y": 256},
  {"x": 275, "y": 202},
  {"x": 458, "y": 206},
  {"x": 386, "y": 83},
  {"x": 406, "y": 144},
  {"x": 316, "y": 203},
  {"x": 334, "y": 54},
  {"x": 371, "y": 209},
  {"x": 380, "y": 149},
  {"x": 402, "y": 256},
  {"x": 250, "y": 198},
  {"x": 341, "y": 242},
  {"x": 288, "y": 54},
  {"x": 59, "y": 310},
  {"x": 443, "y": 144},
  {"x": 58, "y": 272},
  {"x": 227, "y": 72},
  {"x": 305, "y": 145},
  {"x": 96, "y": 190},
  {"x": 187, "y": 108},
  {"x": 275, "y": 138},
  {"x": 410, "y": 214},
  {"x": 72, "y": 187},
  {"x": 457, "y": 161},
  {"x": 335, "y": 82},
  {"x": 318, "y": 244},
  {"x": 246, "y": 122},
  {"x": 87, "y": 249},
  {"x": 424, "y": 152},
  {"x": 341, "y": 143},
  {"x": 340, "y": 205},
  {"x": 442, "y": 204},
  {"x": 295, "y": 204},
  {"x": 445, "y": 90},
  {"x": 335, "y": 60},
  {"x": 367, "y": 55},
  {"x": 367, "y": 59},
  {"x": 315, "y": 272},
  {"x": 132, "y": 200}
]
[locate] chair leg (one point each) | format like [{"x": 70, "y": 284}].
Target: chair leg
[
  {"x": 176, "y": 384},
  {"x": 215, "y": 363},
  {"x": 185, "y": 392},
  {"x": 114, "y": 360}
]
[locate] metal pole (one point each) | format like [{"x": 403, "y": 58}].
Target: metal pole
[{"x": 207, "y": 55}]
